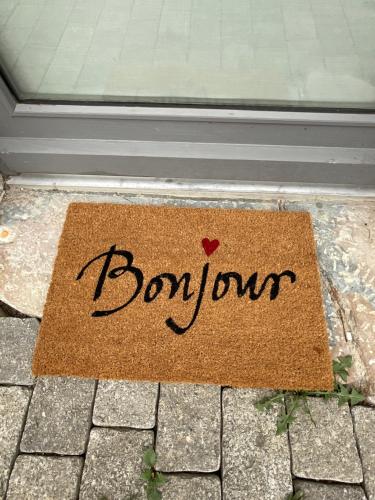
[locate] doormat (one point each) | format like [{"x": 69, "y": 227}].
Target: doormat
[{"x": 229, "y": 297}]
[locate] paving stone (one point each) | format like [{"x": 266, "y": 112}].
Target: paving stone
[
  {"x": 364, "y": 425},
  {"x": 125, "y": 404},
  {"x": 321, "y": 491},
  {"x": 188, "y": 487},
  {"x": 256, "y": 462},
  {"x": 326, "y": 450},
  {"x": 114, "y": 463},
  {"x": 13, "y": 407},
  {"x": 188, "y": 434},
  {"x": 59, "y": 417},
  {"x": 17, "y": 339},
  {"x": 45, "y": 478}
]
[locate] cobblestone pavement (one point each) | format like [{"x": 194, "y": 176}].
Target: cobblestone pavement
[{"x": 66, "y": 438}]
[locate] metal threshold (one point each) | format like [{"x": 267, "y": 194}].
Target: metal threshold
[{"x": 182, "y": 187}]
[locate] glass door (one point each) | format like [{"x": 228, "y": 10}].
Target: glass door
[{"x": 314, "y": 53}]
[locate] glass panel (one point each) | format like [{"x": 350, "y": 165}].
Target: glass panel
[{"x": 243, "y": 52}]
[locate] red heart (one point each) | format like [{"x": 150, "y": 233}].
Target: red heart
[{"x": 210, "y": 245}]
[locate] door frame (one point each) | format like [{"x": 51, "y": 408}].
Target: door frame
[{"x": 261, "y": 146}]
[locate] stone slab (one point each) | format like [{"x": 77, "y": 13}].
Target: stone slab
[
  {"x": 114, "y": 463},
  {"x": 59, "y": 417},
  {"x": 320, "y": 491},
  {"x": 45, "y": 478},
  {"x": 344, "y": 231},
  {"x": 125, "y": 404},
  {"x": 13, "y": 407},
  {"x": 256, "y": 462},
  {"x": 325, "y": 451},
  {"x": 364, "y": 426},
  {"x": 188, "y": 431},
  {"x": 189, "y": 486},
  {"x": 17, "y": 340}
]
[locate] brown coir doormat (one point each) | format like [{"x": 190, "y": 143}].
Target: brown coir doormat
[{"x": 229, "y": 297}]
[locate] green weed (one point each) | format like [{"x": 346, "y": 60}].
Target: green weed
[
  {"x": 298, "y": 495},
  {"x": 292, "y": 401},
  {"x": 153, "y": 479}
]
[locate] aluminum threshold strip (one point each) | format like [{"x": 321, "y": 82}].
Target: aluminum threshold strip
[
  {"x": 179, "y": 187},
  {"x": 214, "y": 151},
  {"x": 192, "y": 114}
]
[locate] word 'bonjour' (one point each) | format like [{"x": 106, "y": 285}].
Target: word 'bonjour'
[{"x": 154, "y": 287}]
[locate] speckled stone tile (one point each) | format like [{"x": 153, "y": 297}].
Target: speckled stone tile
[
  {"x": 45, "y": 478},
  {"x": 364, "y": 426},
  {"x": 320, "y": 491},
  {"x": 114, "y": 463},
  {"x": 125, "y": 404},
  {"x": 13, "y": 408},
  {"x": 188, "y": 431},
  {"x": 190, "y": 486},
  {"x": 59, "y": 417},
  {"x": 325, "y": 449},
  {"x": 17, "y": 340},
  {"x": 256, "y": 462}
]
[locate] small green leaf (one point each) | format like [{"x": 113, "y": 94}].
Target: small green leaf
[
  {"x": 341, "y": 366},
  {"x": 159, "y": 479},
  {"x": 283, "y": 422},
  {"x": 356, "y": 397},
  {"x": 298, "y": 495},
  {"x": 346, "y": 361},
  {"x": 154, "y": 495},
  {"x": 146, "y": 475},
  {"x": 345, "y": 395},
  {"x": 149, "y": 457}
]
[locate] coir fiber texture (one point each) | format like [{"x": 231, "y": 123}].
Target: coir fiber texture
[{"x": 229, "y": 297}]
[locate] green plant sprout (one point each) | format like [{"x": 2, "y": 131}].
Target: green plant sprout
[
  {"x": 298, "y": 495},
  {"x": 291, "y": 401},
  {"x": 153, "y": 479}
]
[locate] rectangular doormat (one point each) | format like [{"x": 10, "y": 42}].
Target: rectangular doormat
[{"x": 228, "y": 297}]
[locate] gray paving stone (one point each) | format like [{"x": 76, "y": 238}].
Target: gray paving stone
[
  {"x": 188, "y": 433},
  {"x": 59, "y": 417},
  {"x": 13, "y": 407},
  {"x": 327, "y": 450},
  {"x": 321, "y": 491},
  {"x": 17, "y": 340},
  {"x": 125, "y": 404},
  {"x": 188, "y": 487},
  {"x": 114, "y": 463},
  {"x": 256, "y": 462},
  {"x": 45, "y": 478},
  {"x": 364, "y": 425}
]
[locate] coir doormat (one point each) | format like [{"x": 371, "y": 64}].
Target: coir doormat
[{"x": 229, "y": 297}]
